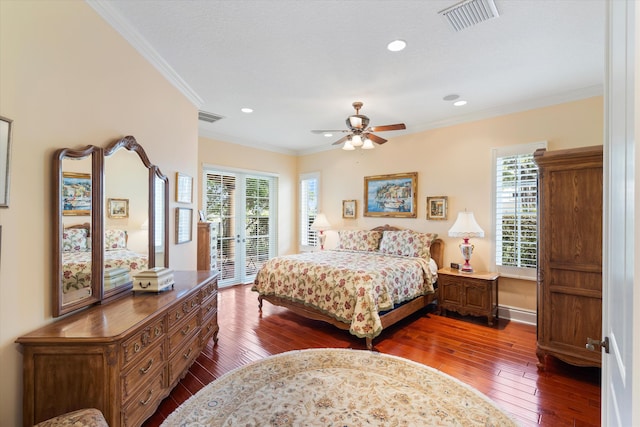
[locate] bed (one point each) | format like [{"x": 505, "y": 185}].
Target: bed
[
  {"x": 120, "y": 263},
  {"x": 373, "y": 279}
]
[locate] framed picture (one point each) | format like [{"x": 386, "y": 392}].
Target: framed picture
[
  {"x": 76, "y": 193},
  {"x": 118, "y": 208},
  {"x": 349, "y": 208},
  {"x": 437, "y": 207},
  {"x": 183, "y": 225},
  {"x": 5, "y": 157},
  {"x": 184, "y": 188},
  {"x": 391, "y": 195}
]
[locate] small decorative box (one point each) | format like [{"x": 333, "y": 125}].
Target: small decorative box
[{"x": 156, "y": 279}]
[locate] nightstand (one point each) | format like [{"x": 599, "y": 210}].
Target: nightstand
[{"x": 468, "y": 293}]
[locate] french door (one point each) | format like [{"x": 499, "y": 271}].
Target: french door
[{"x": 244, "y": 207}]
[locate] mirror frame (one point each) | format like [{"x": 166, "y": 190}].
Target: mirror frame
[
  {"x": 97, "y": 157},
  {"x": 98, "y": 211}
]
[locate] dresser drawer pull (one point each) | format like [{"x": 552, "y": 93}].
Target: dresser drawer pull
[
  {"x": 178, "y": 316},
  {"x": 187, "y": 354},
  {"x": 144, "y": 402},
  {"x": 209, "y": 308},
  {"x": 158, "y": 330},
  {"x": 145, "y": 370},
  {"x": 185, "y": 330},
  {"x": 136, "y": 348}
]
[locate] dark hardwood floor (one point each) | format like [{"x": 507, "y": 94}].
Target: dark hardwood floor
[{"x": 499, "y": 360}]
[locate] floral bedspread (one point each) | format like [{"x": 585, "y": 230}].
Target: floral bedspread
[
  {"x": 350, "y": 286},
  {"x": 76, "y": 266}
]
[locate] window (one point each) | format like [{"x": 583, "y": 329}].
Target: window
[
  {"x": 309, "y": 190},
  {"x": 515, "y": 205}
]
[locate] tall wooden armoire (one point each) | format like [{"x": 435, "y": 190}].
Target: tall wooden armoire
[{"x": 569, "y": 254}]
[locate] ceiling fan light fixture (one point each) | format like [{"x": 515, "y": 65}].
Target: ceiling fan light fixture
[
  {"x": 368, "y": 145},
  {"x": 348, "y": 146},
  {"x": 356, "y": 141}
]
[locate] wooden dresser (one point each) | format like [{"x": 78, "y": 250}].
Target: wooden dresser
[
  {"x": 207, "y": 246},
  {"x": 122, "y": 358},
  {"x": 569, "y": 254}
]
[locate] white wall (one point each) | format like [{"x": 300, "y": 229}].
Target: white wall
[{"x": 67, "y": 79}]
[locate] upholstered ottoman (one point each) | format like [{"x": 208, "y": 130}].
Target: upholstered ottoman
[{"x": 81, "y": 418}]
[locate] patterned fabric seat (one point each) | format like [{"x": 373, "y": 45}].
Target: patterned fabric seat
[{"x": 81, "y": 418}]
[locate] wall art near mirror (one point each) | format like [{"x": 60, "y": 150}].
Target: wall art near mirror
[
  {"x": 118, "y": 208},
  {"x": 5, "y": 160},
  {"x": 183, "y": 225},
  {"x": 184, "y": 188}
]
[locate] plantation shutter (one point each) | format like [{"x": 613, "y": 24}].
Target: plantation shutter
[
  {"x": 516, "y": 210},
  {"x": 308, "y": 209}
]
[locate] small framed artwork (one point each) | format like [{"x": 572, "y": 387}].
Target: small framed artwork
[
  {"x": 349, "y": 208},
  {"x": 391, "y": 195},
  {"x": 437, "y": 207},
  {"x": 5, "y": 157},
  {"x": 118, "y": 208},
  {"x": 183, "y": 225},
  {"x": 184, "y": 188},
  {"x": 76, "y": 193}
]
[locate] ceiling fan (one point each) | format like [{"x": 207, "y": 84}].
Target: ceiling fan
[{"x": 360, "y": 133}]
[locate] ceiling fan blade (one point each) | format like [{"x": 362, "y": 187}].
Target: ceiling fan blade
[
  {"x": 376, "y": 138},
  {"x": 329, "y": 131},
  {"x": 398, "y": 126},
  {"x": 341, "y": 140}
]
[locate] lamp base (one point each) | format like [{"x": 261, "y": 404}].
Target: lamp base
[{"x": 466, "y": 249}]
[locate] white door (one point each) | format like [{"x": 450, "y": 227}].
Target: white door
[
  {"x": 243, "y": 206},
  {"x": 620, "y": 365}
]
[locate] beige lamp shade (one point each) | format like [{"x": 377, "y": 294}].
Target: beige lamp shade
[
  {"x": 466, "y": 226},
  {"x": 320, "y": 223}
]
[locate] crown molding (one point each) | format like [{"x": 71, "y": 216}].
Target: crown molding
[{"x": 115, "y": 20}]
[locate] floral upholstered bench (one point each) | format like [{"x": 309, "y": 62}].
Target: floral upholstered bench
[{"x": 81, "y": 418}]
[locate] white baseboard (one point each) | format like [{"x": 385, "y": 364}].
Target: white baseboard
[{"x": 519, "y": 315}]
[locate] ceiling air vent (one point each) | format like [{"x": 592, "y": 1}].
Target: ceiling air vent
[
  {"x": 468, "y": 13},
  {"x": 208, "y": 117}
]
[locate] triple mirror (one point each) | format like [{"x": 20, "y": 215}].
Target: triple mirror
[{"x": 111, "y": 209}]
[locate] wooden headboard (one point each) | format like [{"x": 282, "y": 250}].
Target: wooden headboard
[{"x": 436, "y": 249}]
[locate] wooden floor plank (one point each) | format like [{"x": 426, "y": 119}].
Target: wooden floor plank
[{"x": 497, "y": 360}]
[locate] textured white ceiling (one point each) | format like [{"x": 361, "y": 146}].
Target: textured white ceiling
[{"x": 301, "y": 63}]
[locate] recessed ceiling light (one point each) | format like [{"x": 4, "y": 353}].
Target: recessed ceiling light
[
  {"x": 460, "y": 103},
  {"x": 247, "y": 110},
  {"x": 451, "y": 97},
  {"x": 328, "y": 135},
  {"x": 397, "y": 45}
]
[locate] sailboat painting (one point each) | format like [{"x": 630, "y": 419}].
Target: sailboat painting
[{"x": 391, "y": 195}]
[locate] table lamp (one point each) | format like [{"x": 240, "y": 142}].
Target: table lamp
[
  {"x": 321, "y": 224},
  {"x": 466, "y": 227}
]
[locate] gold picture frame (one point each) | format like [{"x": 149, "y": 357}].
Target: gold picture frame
[
  {"x": 118, "y": 208},
  {"x": 349, "y": 209},
  {"x": 437, "y": 208},
  {"x": 391, "y": 195},
  {"x": 184, "y": 188}
]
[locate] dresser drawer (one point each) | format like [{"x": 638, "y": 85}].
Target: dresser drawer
[
  {"x": 209, "y": 290},
  {"x": 209, "y": 329},
  {"x": 185, "y": 330},
  {"x": 209, "y": 307},
  {"x": 179, "y": 312},
  {"x": 134, "y": 347},
  {"x": 141, "y": 371},
  {"x": 184, "y": 357},
  {"x": 146, "y": 401}
]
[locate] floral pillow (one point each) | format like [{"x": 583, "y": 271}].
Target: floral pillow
[
  {"x": 115, "y": 239},
  {"x": 359, "y": 240},
  {"x": 74, "y": 240},
  {"x": 407, "y": 243}
]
